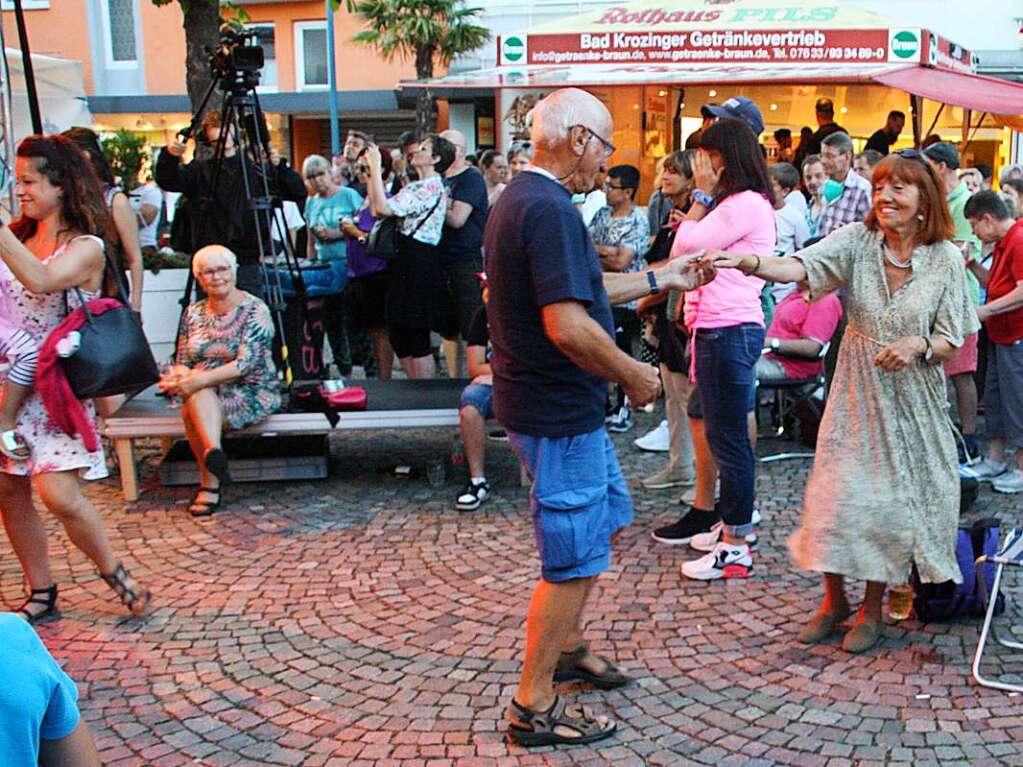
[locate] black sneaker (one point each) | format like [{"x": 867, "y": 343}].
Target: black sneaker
[
  {"x": 472, "y": 496},
  {"x": 693, "y": 522}
]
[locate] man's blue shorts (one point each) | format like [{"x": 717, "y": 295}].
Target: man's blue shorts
[
  {"x": 579, "y": 499},
  {"x": 481, "y": 397}
]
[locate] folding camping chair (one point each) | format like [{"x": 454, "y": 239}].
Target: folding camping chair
[
  {"x": 1011, "y": 554},
  {"x": 789, "y": 393}
]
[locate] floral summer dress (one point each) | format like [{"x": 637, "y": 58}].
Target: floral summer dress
[
  {"x": 52, "y": 449},
  {"x": 245, "y": 336},
  {"x": 884, "y": 490}
]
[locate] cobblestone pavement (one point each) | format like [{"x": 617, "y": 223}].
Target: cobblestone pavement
[{"x": 361, "y": 621}]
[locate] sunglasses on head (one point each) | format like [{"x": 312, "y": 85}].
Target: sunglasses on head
[{"x": 912, "y": 154}]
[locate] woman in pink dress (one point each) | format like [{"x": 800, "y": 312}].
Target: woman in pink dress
[{"x": 55, "y": 246}]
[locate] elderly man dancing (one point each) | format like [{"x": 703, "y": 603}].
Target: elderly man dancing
[{"x": 554, "y": 351}]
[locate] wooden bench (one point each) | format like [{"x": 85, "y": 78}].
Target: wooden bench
[{"x": 392, "y": 405}]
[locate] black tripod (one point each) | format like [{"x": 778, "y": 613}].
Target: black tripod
[{"x": 242, "y": 120}]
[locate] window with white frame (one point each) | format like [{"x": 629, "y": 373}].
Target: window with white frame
[
  {"x": 119, "y": 20},
  {"x": 266, "y": 35},
  {"x": 310, "y": 55}
]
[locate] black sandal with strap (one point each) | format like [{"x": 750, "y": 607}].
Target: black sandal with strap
[
  {"x": 205, "y": 508},
  {"x": 558, "y": 725},
  {"x": 137, "y": 601},
  {"x": 49, "y": 602},
  {"x": 216, "y": 463},
  {"x": 570, "y": 668}
]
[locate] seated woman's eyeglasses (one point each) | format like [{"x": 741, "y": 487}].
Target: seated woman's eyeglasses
[{"x": 214, "y": 271}]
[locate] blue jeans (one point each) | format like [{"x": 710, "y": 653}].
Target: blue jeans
[
  {"x": 479, "y": 396},
  {"x": 725, "y": 360}
]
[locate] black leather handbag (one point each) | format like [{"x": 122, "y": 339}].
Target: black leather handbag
[
  {"x": 382, "y": 241},
  {"x": 114, "y": 356}
]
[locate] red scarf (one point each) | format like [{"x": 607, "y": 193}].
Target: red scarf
[{"x": 64, "y": 408}]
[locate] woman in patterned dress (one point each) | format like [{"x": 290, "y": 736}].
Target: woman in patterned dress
[
  {"x": 52, "y": 248},
  {"x": 224, "y": 369},
  {"x": 884, "y": 491},
  {"x": 417, "y": 296}
]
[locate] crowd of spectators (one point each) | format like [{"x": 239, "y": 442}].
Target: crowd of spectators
[{"x": 398, "y": 309}]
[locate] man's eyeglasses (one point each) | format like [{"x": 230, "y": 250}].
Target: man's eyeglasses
[
  {"x": 361, "y": 169},
  {"x": 609, "y": 148},
  {"x": 609, "y": 185},
  {"x": 311, "y": 176}
]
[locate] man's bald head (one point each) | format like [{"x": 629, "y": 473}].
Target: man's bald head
[
  {"x": 555, "y": 115},
  {"x": 457, "y": 138}
]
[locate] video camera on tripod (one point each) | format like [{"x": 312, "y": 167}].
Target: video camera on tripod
[
  {"x": 238, "y": 59},
  {"x": 242, "y": 159}
]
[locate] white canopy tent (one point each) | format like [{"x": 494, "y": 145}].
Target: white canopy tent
[{"x": 61, "y": 88}]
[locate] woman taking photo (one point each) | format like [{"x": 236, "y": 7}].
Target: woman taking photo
[
  {"x": 126, "y": 223},
  {"x": 733, "y": 210},
  {"x": 883, "y": 494},
  {"x": 366, "y": 295},
  {"x": 224, "y": 369},
  {"x": 56, "y": 245},
  {"x": 417, "y": 296}
]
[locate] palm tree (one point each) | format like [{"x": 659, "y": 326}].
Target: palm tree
[{"x": 427, "y": 31}]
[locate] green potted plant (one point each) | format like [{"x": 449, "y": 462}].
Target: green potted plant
[{"x": 126, "y": 152}]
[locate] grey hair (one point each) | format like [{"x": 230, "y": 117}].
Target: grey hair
[
  {"x": 555, "y": 115},
  {"x": 838, "y": 140},
  {"x": 315, "y": 162},
  {"x": 1010, "y": 205},
  {"x": 211, "y": 252},
  {"x": 521, "y": 147},
  {"x": 1008, "y": 171}
]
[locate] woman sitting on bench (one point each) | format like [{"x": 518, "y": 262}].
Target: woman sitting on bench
[{"x": 223, "y": 371}]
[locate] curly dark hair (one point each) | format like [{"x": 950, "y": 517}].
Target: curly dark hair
[{"x": 83, "y": 208}]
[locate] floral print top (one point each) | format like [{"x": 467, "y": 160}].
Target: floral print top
[
  {"x": 245, "y": 337},
  {"x": 427, "y": 198}
]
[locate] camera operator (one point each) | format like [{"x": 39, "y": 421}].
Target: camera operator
[{"x": 225, "y": 218}]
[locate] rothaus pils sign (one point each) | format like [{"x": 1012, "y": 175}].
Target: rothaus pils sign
[{"x": 748, "y": 32}]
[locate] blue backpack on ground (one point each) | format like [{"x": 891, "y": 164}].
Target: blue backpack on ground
[{"x": 943, "y": 601}]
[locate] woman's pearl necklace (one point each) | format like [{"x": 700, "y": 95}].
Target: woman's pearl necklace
[{"x": 891, "y": 259}]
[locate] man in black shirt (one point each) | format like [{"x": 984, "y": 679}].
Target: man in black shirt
[
  {"x": 883, "y": 138},
  {"x": 826, "y": 125},
  {"x": 461, "y": 245},
  {"x": 226, "y": 219}
]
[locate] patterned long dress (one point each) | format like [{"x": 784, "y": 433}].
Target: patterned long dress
[
  {"x": 884, "y": 490},
  {"x": 52, "y": 449},
  {"x": 244, "y": 336}
]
